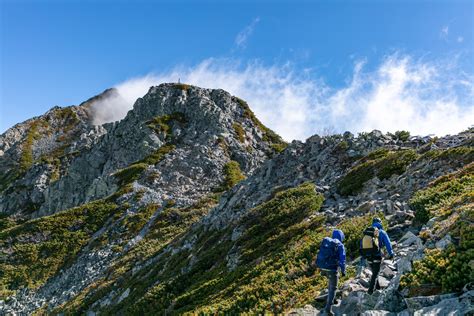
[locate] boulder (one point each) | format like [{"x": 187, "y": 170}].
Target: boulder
[
  {"x": 410, "y": 239},
  {"x": 356, "y": 302},
  {"x": 416, "y": 303},
  {"x": 387, "y": 272},
  {"x": 307, "y": 310},
  {"x": 444, "y": 242},
  {"x": 378, "y": 313},
  {"x": 449, "y": 307}
]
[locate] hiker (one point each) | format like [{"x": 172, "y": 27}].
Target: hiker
[
  {"x": 375, "y": 238},
  {"x": 332, "y": 255}
]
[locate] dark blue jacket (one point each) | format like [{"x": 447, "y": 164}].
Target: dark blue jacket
[
  {"x": 338, "y": 235},
  {"x": 384, "y": 240}
]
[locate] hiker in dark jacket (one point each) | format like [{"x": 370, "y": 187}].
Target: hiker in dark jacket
[
  {"x": 332, "y": 256},
  {"x": 375, "y": 260}
]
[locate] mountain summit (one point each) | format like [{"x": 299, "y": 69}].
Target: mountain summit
[
  {"x": 179, "y": 136},
  {"x": 190, "y": 204}
]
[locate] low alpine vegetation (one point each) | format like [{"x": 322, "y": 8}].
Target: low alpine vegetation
[
  {"x": 134, "y": 171},
  {"x": 443, "y": 191},
  {"x": 380, "y": 163},
  {"x": 239, "y": 130},
  {"x": 37, "y": 249},
  {"x": 232, "y": 174},
  {"x": 161, "y": 124}
]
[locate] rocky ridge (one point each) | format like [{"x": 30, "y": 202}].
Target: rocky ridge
[{"x": 168, "y": 174}]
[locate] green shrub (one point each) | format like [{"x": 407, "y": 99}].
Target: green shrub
[
  {"x": 461, "y": 154},
  {"x": 239, "y": 131},
  {"x": 441, "y": 192},
  {"x": 68, "y": 117},
  {"x": 402, "y": 135},
  {"x": 134, "y": 223},
  {"x": 395, "y": 163},
  {"x": 451, "y": 199},
  {"x": 449, "y": 269},
  {"x": 341, "y": 147},
  {"x": 129, "y": 174},
  {"x": 276, "y": 247},
  {"x": 158, "y": 155},
  {"x": 135, "y": 170},
  {"x": 26, "y": 158},
  {"x": 376, "y": 154},
  {"x": 380, "y": 163},
  {"x": 232, "y": 174},
  {"x": 160, "y": 124},
  {"x": 279, "y": 147},
  {"x": 6, "y": 222}
]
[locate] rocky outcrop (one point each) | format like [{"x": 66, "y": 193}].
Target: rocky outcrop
[{"x": 199, "y": 123}]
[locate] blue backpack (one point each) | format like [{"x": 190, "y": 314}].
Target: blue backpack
[{"x": 327, "y": 256}]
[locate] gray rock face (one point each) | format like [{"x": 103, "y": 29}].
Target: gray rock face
[{"x": 205, "y": 139}]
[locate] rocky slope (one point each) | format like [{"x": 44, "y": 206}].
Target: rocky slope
[{"x": 190, "y": 204}]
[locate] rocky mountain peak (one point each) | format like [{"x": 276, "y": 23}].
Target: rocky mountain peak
[{"x": 61, "y": 152}]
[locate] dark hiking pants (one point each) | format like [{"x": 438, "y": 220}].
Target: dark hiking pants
[
  {"x": 332, "y": 278},
  {"x": 375, "y": 267}
]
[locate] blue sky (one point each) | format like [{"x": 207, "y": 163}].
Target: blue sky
[{"x": 323, "y": 55}]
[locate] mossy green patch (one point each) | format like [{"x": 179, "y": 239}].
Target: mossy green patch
[
  {"x": 161, "y": 124},
  {"x": 443, "y": 271},
  {"x": 37, "y": 249},
  {"x": 279, "y": 147},
  {"x": 239, "y": 130},
  {"x": 129, "y": 174},
  {"x": 26, "y": 158},
  {"x": 401, "y": 135},
  {"x": 135, "y": 170},
  {"x": 381, "y": 164},
  {"x": 442, "y": 192},
  {"x": 6, "y": 222},
  {"x": 158, "y": 155},
  {"x": 232, "y": 174},
  {"x": 69, "y": 119},
  {"x": 461, "y": 154},
  {"x": 134, "y": 223}
]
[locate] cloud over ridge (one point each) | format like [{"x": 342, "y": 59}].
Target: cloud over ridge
[{"x": 402, "y": 93}]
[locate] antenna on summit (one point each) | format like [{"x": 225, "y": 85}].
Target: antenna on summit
[{"x": 179, "y": 80}]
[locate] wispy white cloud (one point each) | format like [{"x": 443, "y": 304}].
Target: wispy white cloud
[
  {"x": 401, "y": 93},
  {"x": 460, "y": 39},
  {"x": 407, "y": 94},
  {"x": 242, "y": 37},
  {"x": 444, "y": 32}
]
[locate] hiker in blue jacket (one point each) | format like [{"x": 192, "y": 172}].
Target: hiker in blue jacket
[
  {"x": 332, "y": 256},
  {"x": 375, "y": 259}
]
